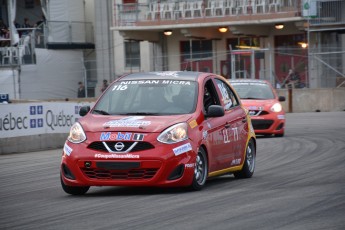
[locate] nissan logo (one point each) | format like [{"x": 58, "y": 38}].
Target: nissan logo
[{"x": 119, "y": 146}]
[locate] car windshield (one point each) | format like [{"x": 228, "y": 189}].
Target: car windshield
[
  {"x": 148, "y": 97},
  {"x": 253, "y": 90}
]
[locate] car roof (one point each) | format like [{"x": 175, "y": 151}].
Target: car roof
[
  {"x": 259, "y": 81},
  {"x": 164, "y": 75}
]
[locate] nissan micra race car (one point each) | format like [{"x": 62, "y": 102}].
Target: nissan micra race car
[
  {"x": 159, "y": 129},
  {"x": 263, "y": 104}
]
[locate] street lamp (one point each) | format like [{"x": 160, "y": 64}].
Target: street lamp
[
  {"x": 167, "y": 32},
  {"x": 279, "y": 26}
]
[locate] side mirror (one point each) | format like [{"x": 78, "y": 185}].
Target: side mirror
[
  {"x": 215, "y": 111},
  {"x": 84, "y": 110},
  {"x": 281, "y": 98}
]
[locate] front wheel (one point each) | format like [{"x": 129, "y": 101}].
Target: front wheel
[
  {"x": 249, "y": 163},
  {"x": 200, "y": 170},
  {"x": 74, "y": 190}
]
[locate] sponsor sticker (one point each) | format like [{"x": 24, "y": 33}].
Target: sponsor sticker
[
  {"x": 204, "y": 134},
  {"x": 68, "y": 150},
  {"x": 116, "y": 156},
  {"x": 189, "y": 165},
  {"x": 182, "y": 149},
  {"x": 193, "y": 124},
  {"x": 236, "y": 161},
  {"x": 109, "y": 136},
  {"x": 127, "y": 122},
  {"x": 281, "y": 117}
]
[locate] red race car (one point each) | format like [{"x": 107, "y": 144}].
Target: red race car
[
  {"x": 263, "y": 103},
  {"x": 159, "y": 129}
]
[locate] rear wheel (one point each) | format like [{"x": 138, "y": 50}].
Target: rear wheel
[
  {"x": 74, "y": 190},
  {"x": 200, "y": 170},
  {"x": 249, "y": 163}
]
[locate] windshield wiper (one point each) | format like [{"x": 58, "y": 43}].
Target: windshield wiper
[{"x": 100, "y": 112}]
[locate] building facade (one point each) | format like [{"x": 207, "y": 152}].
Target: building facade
[{"x": 263, "y": 39}]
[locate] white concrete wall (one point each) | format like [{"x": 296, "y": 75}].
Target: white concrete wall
[{"x": 311, "y": 100}]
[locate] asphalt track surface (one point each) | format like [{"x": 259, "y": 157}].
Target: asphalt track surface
[{"x": 299, "y": 183}]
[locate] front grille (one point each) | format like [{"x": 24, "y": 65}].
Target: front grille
[
  {"x": 130, "y": 174},
  {"x": 261, "y": 124},
  {"x": 101, "y": 146},
  {"x": 257, "y": 112}
]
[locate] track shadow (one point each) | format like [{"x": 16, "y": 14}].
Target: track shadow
[{"x": 144, "y": 191}]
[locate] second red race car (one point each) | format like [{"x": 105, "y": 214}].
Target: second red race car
[
  {"x": 159, "y": 129},
  {"x": 263, "y": 103}
]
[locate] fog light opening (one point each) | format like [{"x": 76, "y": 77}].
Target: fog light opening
[
  {"x": 67, "y": 173},
  {"x": 177, "y": 173},
  {"x": 280, "y": 126},
  {"x": 87, "y": 164}
]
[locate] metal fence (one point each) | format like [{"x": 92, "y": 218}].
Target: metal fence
[
  {"x": 52, "y": 31},
  {"x": 131, "y": 13},
  {"x": 324, "y": 12}
]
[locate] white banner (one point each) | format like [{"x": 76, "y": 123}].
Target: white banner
[{"x": 38, "y": 118}]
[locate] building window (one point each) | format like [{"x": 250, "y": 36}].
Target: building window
[
  {"x": 196, "y": 55},
  {"x": 132, "y": 54}
]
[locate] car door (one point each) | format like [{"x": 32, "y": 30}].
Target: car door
[
  {"x": 234, "y": 132},
  {"x": 213, "y": 127}
]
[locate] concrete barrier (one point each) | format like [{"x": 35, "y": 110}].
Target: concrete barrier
[{"x": 312, "y": 100}]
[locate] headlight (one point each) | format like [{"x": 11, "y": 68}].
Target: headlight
[
  {"x": 76, "y": 134},
  {"x": 174, "y": 134},
  {"x": 277, "y": 107}
]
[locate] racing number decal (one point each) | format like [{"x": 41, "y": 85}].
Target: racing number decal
[
  {"x": 227, "y": 134},
  {"x": 120, "y": 87}
]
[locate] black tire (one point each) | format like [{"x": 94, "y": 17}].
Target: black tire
[
  {"x": 200, "y": 170},
  {"x": 249, "y": 163},
  {"x": 74, "y": 190}
]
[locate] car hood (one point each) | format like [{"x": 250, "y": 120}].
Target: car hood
[
  {"x": 99, "y": 123},
  {"x": 258, "y": 104}
]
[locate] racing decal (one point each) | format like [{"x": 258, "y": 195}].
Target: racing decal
[
  {"x": 189, "y": 165},
  {"x": 281, "y": 117},
  {"x": 116, "y": 156},
  {"x": 182, "y": 149},
  {"x": 138, "y": 137},
  {"x": 127, "y": 122},
  {"x": 109, "y": 136},
  {"x": 68, "y": 150},
  {"x": 119, "y": 87},
  {"x": 143, "y": 82},
  {"x": 227, "y": 134},
  {"x": 193, "y": 124},
  {"x": 204, "y": 135},
  {"x": 167, "y": 73},
  {"x": 236, "y": 161},
  {"x": 106, "y": 136},
  {"x": 123, "y": 84}
]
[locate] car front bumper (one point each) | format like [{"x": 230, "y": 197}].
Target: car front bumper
[{"x": 160, "y": 166}]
